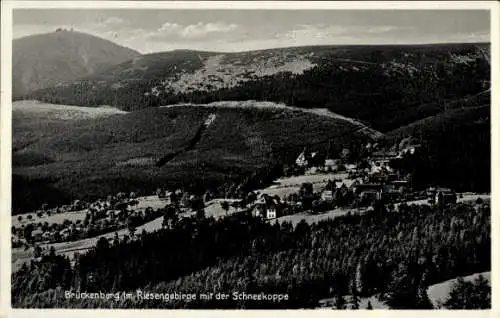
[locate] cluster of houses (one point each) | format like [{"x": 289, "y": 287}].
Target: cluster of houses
[
  {"x": 103, "y": 215},
  {"x": 366, "y": 184}
]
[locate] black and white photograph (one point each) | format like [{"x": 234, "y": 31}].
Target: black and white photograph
[{"x": 250, "y": 158}]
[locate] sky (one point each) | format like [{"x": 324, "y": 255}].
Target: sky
[{"x": 148, "y": 30}]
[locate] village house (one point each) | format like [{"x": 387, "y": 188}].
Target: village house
[
  {"x": 308, "y": 159},
  {"x": 166, "y": 196},
  {"x": 65, "y": 233},
  {"x": 383, "y": 157},
  {"x": 302, "y": 159},
  {"x": 351, "y": 167},
  {"x": 327, "y": 196},
  {"x": 445, "y": 196},
  {"x": 47, "y": 235},
  {"x": 317, "y": 159},
  {"x": 37, "y": 234},
  {"x": 77, "y": 205},
  {"x": 407, "y": 146},
  {"x": 400, "y": 186},
  {"x": 441, "y": 196},
  {"x": 369, "y": 192},
  {"x": 113, "y": 213},
  {"x": 331, "y": 164},
  {"x": 408, "y": 150},
  {"x": 267, "y": 207},
  {"x": 430, "y": 192}
]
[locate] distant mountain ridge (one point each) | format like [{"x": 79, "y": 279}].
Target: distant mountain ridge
[
  {"x": 369, "y": 83},
  {"x": 47, "y": 60}
]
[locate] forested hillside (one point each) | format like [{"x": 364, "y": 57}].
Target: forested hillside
[
  {"x": 92, "y": 157},
  {"x": 438, "y": 94},
  {"x": 455, "y": 152},
  {"x": 385, "y": 86},
  {"x": 396, "y": 255}
]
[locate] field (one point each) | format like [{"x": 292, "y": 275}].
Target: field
[
  {"x": 41, "y": 110},
  {"x": 466, "y": 198},
  {"x": 58, "y": 218},
  {"x": 439, "y": 292},
  {"x": 214, "y": 209},
  {"x": 314, "y": 218},
  {"x": 289, "y": 185},
  {"x": 151, "y": 201}
]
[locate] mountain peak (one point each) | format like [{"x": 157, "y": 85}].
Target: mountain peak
[{"x": 49, "y": 59}]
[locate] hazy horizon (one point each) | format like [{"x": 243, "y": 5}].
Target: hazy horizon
[{"x": 150, "y": 31}]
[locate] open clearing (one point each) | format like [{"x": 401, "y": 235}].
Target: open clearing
[
  {"x": 64, "y": 112},
  {"x": 468, "y": 197},
  {"x": 314, "y": 218},
  {"x": 286, "y": 186},
  {"x": 313, "y": 178},
  {"x": 144, "y": 202},
  {"x": 439, "y": 292},
  {"x": 214, "y": 208},
  {"x": 151, "y": 201},
  {"x": 58, "y": 218}
]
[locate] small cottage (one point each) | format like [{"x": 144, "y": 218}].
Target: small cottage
[
  {"x": 37, "y": 234},
  {"x": 445, "y": 196},
  {"x": 267, "y": 207},
  {"x": 327, "y": 196}
]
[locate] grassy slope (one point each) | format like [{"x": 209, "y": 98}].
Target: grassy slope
[{"x": 92, "y": 157}]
